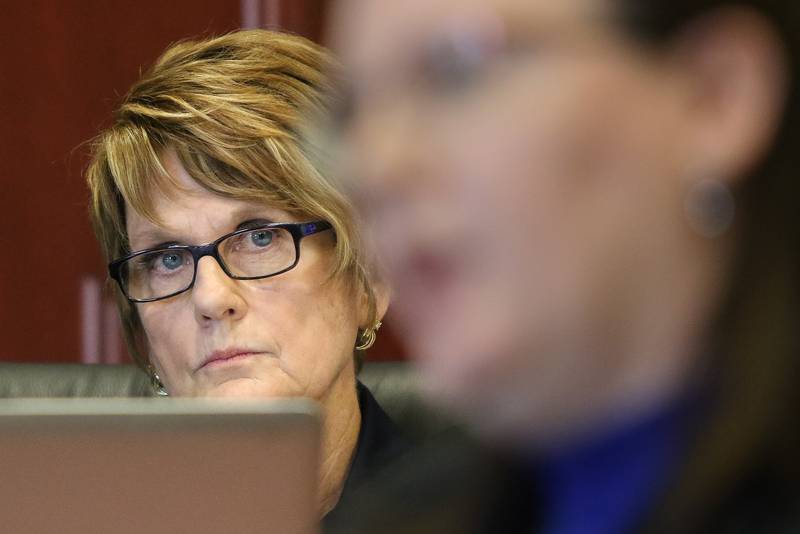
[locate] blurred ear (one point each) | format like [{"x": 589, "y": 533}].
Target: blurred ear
[{"x": 736, "y": 69}]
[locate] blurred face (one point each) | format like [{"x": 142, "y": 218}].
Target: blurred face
[
  {"x": 516, "y": 162},
  {"x": 289, "y": 335}
]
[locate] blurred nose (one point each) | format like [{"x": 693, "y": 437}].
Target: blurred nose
[
  {"x": 387, "y": 157},
  {"x": 215, "y": 295},
  {"x": 391, "y": 157},
  {"x": 388, "y": 151}
]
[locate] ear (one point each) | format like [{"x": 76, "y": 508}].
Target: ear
[
  {"x": 737, "y": 80},
  {"x": 383, "y": 294},
  {"x": 381, "y": 289}
]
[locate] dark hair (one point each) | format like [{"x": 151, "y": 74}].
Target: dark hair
[{"x": 752, "y": 427}]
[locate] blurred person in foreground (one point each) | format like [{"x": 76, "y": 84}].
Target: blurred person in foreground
[
  {"x": 589, "y": 213},
  {"x": 239, "y": 267}
]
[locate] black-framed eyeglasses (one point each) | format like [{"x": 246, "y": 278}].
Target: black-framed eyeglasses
[{"x": 246, "y": 254}]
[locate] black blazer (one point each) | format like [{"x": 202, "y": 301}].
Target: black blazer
[
  {"x": 380, "y": 443},
  {"x": 453, "y": 486}
]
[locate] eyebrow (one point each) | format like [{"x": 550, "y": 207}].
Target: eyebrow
[
  {"x": 151, "y": 237},
  {"x": 253, "y": 212}
]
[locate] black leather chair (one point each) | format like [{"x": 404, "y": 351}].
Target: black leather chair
[
  {"x": 394, "y": 384},
  {"x": 72, "y": 380}
]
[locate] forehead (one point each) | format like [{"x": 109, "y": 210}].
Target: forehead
[
  {"x": 370, "y": 34},
  {"x": 187, "y": 211}
]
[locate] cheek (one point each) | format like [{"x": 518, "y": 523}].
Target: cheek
[
  {"x": 168, "y": 328},
  {"x": 551, "y": 187},
  {"x": 555, "y": 170},
  {"x": 310, "y": 321}
]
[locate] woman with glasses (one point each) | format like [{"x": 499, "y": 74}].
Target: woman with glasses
[
  {"x": 239, "y": 266},
  {"x": 589, "y": 212}
]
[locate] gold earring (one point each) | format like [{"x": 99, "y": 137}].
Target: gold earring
[
  {"x": 367, "y": 337},
  {"x": 155, "y": 382}
]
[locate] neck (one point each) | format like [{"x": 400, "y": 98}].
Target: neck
[
  {"x": 652, "y": 348},
  {"x": 669, "y": 340},
  {"x": 340, "y": 428}
]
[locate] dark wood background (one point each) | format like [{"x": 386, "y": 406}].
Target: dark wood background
[{"x": 64, "y": 66}]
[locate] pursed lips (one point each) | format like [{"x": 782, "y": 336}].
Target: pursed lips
[{"x": 221, "y": 357}]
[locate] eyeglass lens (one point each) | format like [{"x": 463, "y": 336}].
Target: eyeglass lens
[{"x": 254, "y": 254}]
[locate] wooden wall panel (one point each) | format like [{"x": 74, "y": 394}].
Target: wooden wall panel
[
  {"x": 304, "y": 17},
  {"x": 63, "y": 67}
]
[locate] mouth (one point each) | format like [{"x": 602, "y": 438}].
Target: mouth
[
  {"x": 425, "y": 277},
  {"x": 424, "y": 284},
  {"x": 221, "y": 358},
  {"x": 429, "y": 268}
]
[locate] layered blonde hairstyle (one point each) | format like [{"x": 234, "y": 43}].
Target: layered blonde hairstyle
[{"x": 234, "y": 109}]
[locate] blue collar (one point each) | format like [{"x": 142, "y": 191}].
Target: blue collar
[{"x": 606, "y": 484}]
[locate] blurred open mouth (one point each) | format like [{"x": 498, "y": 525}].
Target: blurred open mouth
[{"x": 424, "y": 283}]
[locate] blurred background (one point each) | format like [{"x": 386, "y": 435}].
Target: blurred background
[{"x": 65, "y": 66}]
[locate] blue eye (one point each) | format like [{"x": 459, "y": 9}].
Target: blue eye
[
  {"x": 261, "y": 238},
  {"x": 171, "y": 260}
]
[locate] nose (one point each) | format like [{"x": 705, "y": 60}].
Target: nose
[
  {"x": 391, "y": 156},
  {"x": 216, "y": 296}
]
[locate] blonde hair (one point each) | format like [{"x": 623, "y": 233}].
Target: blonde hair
[{"x": 233, "y": 108}]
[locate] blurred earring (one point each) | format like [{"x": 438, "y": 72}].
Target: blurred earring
[
  {"x": 155, "y": 381},
  {"x": 710, "y": 208},
  {"x": 367, "y": 337}
]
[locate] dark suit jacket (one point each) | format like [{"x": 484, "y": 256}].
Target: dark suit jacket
[
  {"x": 380, "y": 443},
  {"x": 453, "y": 486}
]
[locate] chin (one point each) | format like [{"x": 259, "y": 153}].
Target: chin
[
  {"x": 246, "y": 388},
  {"x": 488, "y": 389}
]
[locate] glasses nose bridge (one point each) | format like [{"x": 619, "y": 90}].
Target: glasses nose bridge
[{"x": 211, "y": 249}]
